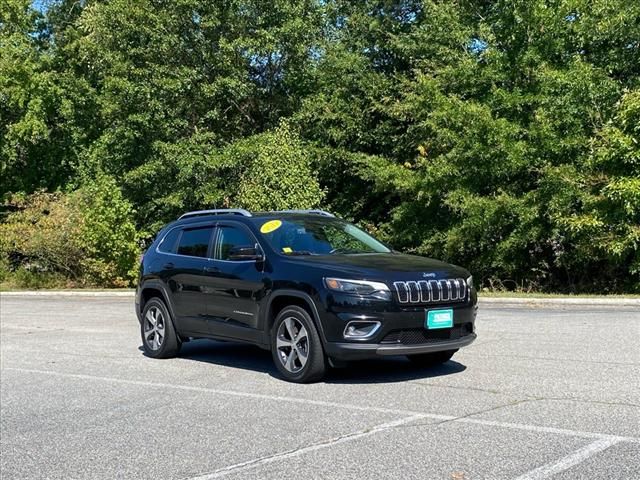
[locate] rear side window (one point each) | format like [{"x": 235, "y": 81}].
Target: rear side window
[
  {"x": 195, "y": 242},
  {"x": 168, "y": 244}
]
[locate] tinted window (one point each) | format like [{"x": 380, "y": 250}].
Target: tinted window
[
  {"x": 195, "y": 242},
  {"x": 168, "y": 244},
  {"x": 231, "y": 237},
  {"x": 317, "y": 235}
]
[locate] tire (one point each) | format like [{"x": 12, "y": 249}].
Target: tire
[
  {"x": 290, "y": 361},
  {"x": 159, "y": 338},
  {"x": 431, "y": 359}
]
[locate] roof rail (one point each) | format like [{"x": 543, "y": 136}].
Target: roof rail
[
  {"x": 218, "y": 211},
  {"x": 315, "y": 211}
]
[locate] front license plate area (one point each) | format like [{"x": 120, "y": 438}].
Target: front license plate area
[{"x": 439, "y": 319}]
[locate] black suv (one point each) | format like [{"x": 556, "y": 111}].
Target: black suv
[{"x": 311, "y": 288}]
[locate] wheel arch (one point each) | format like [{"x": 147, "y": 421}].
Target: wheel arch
[
  {"x": 154, "y": 288},
  {"x": 281, "y": 299}
]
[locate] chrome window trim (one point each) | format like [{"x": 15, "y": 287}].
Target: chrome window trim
[{"x": 186, "y": 227}]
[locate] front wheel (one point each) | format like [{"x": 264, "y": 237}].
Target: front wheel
[
  {"x": 296, "y": 346},
  {"x": 431, "y": 359}
]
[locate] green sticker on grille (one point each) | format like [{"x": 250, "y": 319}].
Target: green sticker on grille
[{"x": 439, "y": 319}]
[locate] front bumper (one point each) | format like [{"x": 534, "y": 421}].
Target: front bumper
[
  {"x": 361, "y": 351},
  {"x": 402, "y": 328}
]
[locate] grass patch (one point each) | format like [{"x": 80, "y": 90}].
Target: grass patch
[{"x": 23, "y": 279}]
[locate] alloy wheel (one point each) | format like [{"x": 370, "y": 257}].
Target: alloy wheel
[
  {"x": 292, "y": 342},
  {"x": 154, "y": 326}
]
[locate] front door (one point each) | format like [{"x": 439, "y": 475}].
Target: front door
[{"x": 236, "y": 286}]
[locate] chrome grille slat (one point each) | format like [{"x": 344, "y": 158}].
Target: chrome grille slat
[
  {"x": 402, "y": 291},
  {"x": 446, "y": 290},
  {"x": 414, "y": 288},
  {"x": 435, "y": 287},
  {"x": 425, "y": 292}
]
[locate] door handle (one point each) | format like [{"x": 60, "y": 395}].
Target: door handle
[
  {"x": 211, "y": 269},
  {"x": 167, "y": 266}
]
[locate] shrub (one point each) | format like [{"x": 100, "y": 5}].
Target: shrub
[
  {"x": 85, "y": 236},
  {"x": 43, "y": 234},
  {"x": 108, "y": 239},
  {"x": 275, "y": 172}
]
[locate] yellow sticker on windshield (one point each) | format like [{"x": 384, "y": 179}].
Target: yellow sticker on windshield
[
  {"x": 287, "y": 249},
  {"x": 270, "y": 226}
]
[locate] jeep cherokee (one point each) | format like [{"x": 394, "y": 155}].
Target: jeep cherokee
[{"x": 310, "y": 287}]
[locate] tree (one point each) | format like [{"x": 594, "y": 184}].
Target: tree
[{"x": 499, "y": 135}]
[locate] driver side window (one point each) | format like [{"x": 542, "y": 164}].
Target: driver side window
[{"x": 230, "y": 238}]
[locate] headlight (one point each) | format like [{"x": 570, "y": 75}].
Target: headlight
[
  {"x": 359, "y": 287},
  {"x": 470, "y": 281}
]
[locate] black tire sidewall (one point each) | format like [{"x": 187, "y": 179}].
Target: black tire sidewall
[{"x": 315, "y": 367}]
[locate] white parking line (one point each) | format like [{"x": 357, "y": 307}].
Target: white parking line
[
  {"x": 579, "y": 456},
  {"x": 347, "y": 406},
  {"x": 235, "y": 393},
  {"x": 258, "y": 462}
]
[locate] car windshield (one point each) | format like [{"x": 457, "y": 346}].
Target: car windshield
[{"x": 317, "y": 236}]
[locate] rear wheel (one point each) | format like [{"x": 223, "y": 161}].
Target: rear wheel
[
  {"x": 431, "y": 359},
  {"x": 296, "y": 346},
  {"x": 159, "y": 338}
]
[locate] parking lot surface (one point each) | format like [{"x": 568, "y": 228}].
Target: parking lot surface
[{"x": 545, "y": 392}]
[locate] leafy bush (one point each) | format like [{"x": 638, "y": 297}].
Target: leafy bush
[
  {"x": 498, "y": 135},
  {"x": 108, "y": 239},
  {"x": 44, "y": 234},
  {"x": 85, "y": 236},
  {"x": 24, "y": 278},
  {"x": 274, "y": 172}
]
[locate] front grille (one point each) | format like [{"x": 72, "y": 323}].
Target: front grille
[
  {"x": 418, "y": 336},
  {"x": 450, "y": 290}
]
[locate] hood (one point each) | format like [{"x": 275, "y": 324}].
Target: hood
[{"x": 390, "y": 266}]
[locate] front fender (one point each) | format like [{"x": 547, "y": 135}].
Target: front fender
[{"x": 297, "y": 294}]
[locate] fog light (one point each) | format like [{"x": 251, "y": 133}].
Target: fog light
[{"x": 361, "y": 329}]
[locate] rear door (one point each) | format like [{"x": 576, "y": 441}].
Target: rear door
[
  {"x": 187, "y": 281},
  {"x": 236, "y": 285}
]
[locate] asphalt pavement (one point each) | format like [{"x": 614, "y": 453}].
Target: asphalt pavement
[{"x": 547, "y": 391}]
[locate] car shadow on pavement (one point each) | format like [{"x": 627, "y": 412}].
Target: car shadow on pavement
[
  {"x": 249, "y": 357},
  {"x": 390, "y": 370}
]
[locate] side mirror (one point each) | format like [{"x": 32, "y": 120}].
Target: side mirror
[{"x": 246, "y": 252}]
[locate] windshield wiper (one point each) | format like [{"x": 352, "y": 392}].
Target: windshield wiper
[
  {"x": 300, "y": 252},
  {"x": 345, "y": 250}
]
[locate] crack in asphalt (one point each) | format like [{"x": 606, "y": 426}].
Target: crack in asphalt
[
  {"x": 347, "y": 437},
  {"x": 462, "y": 417},
  {"x": 530, "y": 398}
]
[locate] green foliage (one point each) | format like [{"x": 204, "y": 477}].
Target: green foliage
[
  {"x": 32, "y": 279},
  {"x": 502, "y": 135},
  {"x": 45, "y": 114},
  {"x": 43, "y": 234},
  {"x": 86, "y": 236},
  {"x": 497, "y": 135},
  {"x": 108, "y": 237},
  {"x": 275, "y": 172}
]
